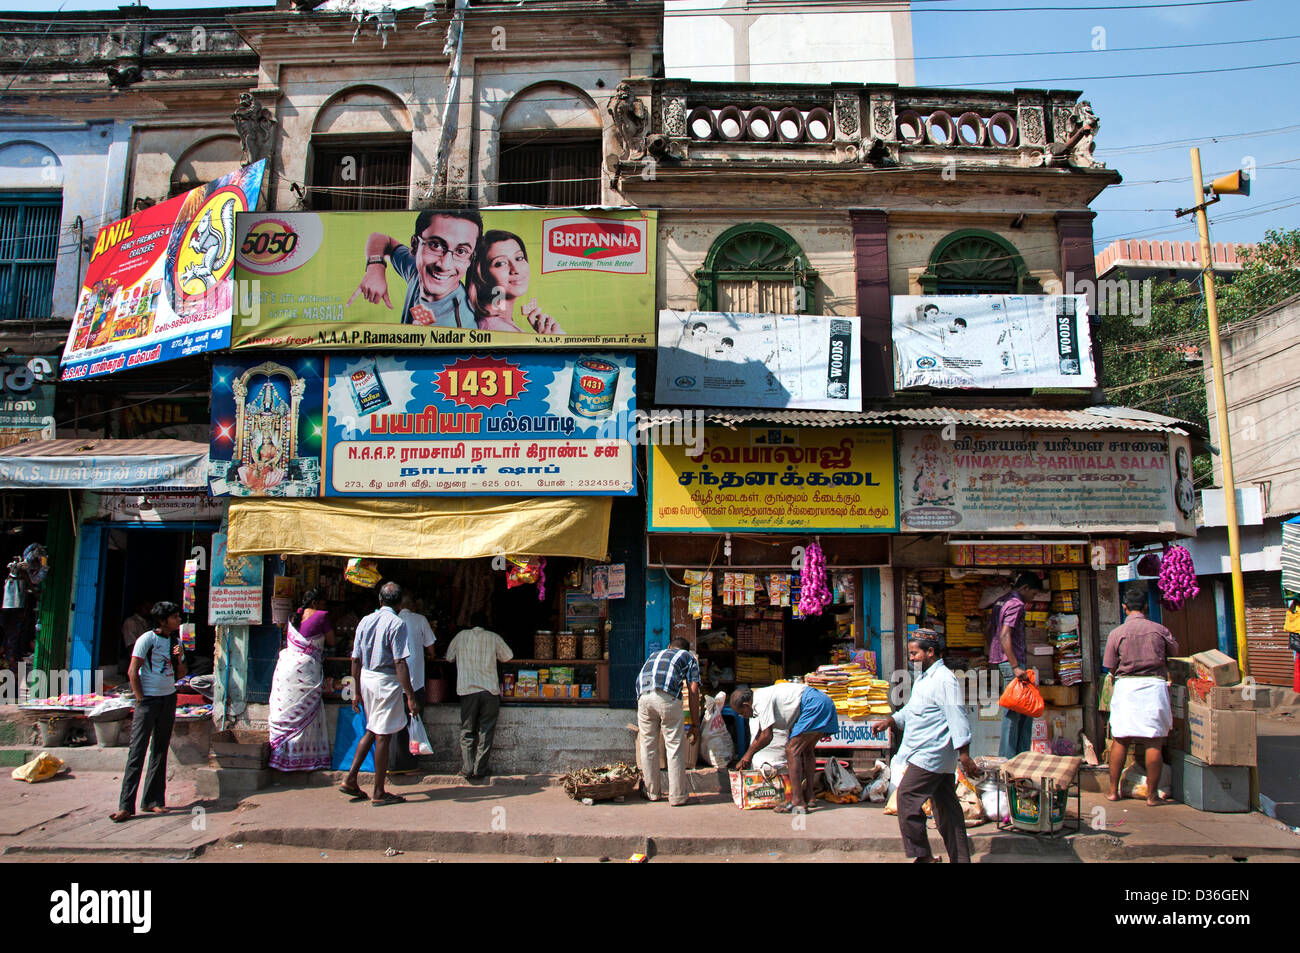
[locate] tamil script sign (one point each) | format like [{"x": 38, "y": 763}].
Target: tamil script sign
[
  {"x": 235, "y": 596},
  {"x": 784, "y": 361},
  {"x": 157, "y": 286},
  {"x": 26, "y": 400},
  {"x": 776, "y": 479},
  {"x": 446, "y": 279},
  {"x": 1043, "y": 481},
  {"x": 853, "y": 733},
  {"x": 992, "y": 341},
  {"x": 106, "y": 471},
  {"x": 480, "y": 425}
]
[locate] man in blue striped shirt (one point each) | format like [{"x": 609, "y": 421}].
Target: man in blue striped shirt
[{"x": 659, "y": 709}]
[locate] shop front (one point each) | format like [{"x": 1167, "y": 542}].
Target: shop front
[
  {"x": 732, "y": 524},
  {"x": 979, "y": 507},
  {"x": 500, "y": 504},
  {"x": 139, "y": 512}
]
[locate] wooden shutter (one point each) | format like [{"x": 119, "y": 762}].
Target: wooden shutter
[{"x": 1268, "y": 654}]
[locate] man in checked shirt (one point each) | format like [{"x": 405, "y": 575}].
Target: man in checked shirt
[{"x": 659, "y": 708}]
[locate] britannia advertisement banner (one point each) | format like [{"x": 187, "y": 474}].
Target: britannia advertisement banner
[
  {"x": 992, "y": 341},
  {"x": 480, "y": 425},
  {"x": 267, "y": 420},
  {"x": 788, "y": 361},
  {"x": 158, "y": 286},
  {"x": 447, "y": 279},
  {"x": 1044, "y": 481},
  {"x": 788, "y": 479}
]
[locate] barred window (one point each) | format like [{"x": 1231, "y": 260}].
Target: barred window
[{"x": 29, "y": 248}]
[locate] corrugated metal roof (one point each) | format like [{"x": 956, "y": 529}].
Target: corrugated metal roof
[{"x": 1039, "y": 418}]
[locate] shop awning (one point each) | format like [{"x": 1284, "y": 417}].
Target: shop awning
[
  {"x": 104, "y": 465},
  {"x": 424, "y": 528}
]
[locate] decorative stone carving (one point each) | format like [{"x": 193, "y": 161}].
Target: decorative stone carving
[
  {"x": 882, "y": 119},
  {"x": 662, "y": 147},
  {"x": 674, "y": 116},
  {"x": 256, "y": 128},
  {"x": 1080, "y": 126},
  {"x": 631, "y": 121},
  {"x": 1060, "y": 123},
  {"x": 846, "y": 114},
  {"x": 1030, "y": 122}
]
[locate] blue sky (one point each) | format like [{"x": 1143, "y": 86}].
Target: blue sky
[{"x": 1138, "y": 115}]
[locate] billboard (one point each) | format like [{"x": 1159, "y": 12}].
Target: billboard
[
  {"x": 784, "y": 361},
  {"x": 776, "y": 479},
  {"x": 158, "y": 283},
  {"x": 1044, "y": 481},
  {"x": 992, "y": 341},
  {"x": 480, "y": 425},
  {"x": 266, "y": 427},
  {"x": 532, "y": 278}
]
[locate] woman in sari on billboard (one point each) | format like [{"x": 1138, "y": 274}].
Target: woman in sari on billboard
[
  {"x": 299, "y": 739},
  {"x": 497, "y": 282}
]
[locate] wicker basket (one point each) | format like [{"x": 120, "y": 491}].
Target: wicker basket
[{"x": 601, "y": 790}]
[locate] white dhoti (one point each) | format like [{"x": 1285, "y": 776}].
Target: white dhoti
[
  {"x": 1139, "y": 708},
  {"x": 381, "y": 697}
]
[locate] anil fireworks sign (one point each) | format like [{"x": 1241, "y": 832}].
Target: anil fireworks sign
[
  {"x": 158, "y": 285},
  {"x": 446, "y": 278}
]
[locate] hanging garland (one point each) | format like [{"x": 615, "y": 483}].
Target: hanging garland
[
  {"x": 1177, "y": 578},
  {"x": 813, "y": 593}
]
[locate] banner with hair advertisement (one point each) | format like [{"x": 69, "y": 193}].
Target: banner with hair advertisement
[
  {"x": 992, "y": 341},
  {"x": 785, "y": 361},
  {"x": 480, "y": 425},
  {"x": 158, "y": 284},
  {"x": 776, "y": 479},
  {"x": 533, "y": 278}
]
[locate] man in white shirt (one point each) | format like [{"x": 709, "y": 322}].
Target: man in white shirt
[
  {"x": 419, "y": 640},
  {"x": 476, "y": 652},
  {"x": 806, "y": 713},
  {"x": 936, "y": 733}
]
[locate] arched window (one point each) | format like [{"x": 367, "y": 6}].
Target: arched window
[
  {"x": 759, "y": 269},
  {"x": 361, "y": 152},
  {"x": 974, "y": 261},
  {"x": 550, "y": 148},
  {"x": 203, "y": 162}
]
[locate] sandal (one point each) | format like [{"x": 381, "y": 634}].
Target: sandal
[
  {"x": 789, "y": 808},
  {"x": 388, "y": 799},
  {"x": 119, "y": 816},
  {"x": 156, "y": 810},
  {"x": 355, "y": 794}
]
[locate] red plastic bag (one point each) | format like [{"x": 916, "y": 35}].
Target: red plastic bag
[{"x": 1021, "y": 696}]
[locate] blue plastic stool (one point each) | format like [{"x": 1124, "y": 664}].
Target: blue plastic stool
[{"x": 739, "y": 728}]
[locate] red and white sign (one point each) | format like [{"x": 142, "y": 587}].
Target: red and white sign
[{"x": 594, "y": 244}]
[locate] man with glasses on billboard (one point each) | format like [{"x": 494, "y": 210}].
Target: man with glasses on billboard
[{"x": 433, "y": 265}]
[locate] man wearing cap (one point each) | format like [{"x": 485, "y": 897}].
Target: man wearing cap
[
  {"x": 936, "y": 734},
  {"x": 1007, "y": 650}
]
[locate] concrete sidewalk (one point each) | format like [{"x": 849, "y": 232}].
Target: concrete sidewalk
[{"x": 524, "y": 818}]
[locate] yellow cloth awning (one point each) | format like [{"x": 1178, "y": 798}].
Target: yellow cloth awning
[{"x": 423, "y": 528}]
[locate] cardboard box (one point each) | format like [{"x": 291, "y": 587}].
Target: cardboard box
[
  {"x": 1221, "y": 737},
  {"x": 1217, "y": 667},
  {"x": 1221, "y": 697},
  {"x": 1064, "y": 696},
  {"x": 1178, "y": 701},
  {"x": 1180, "y": 668},
  {"x": 1178, "y": 737}
]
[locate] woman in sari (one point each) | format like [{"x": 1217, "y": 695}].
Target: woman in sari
[{"x": 299, "y": 740}]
